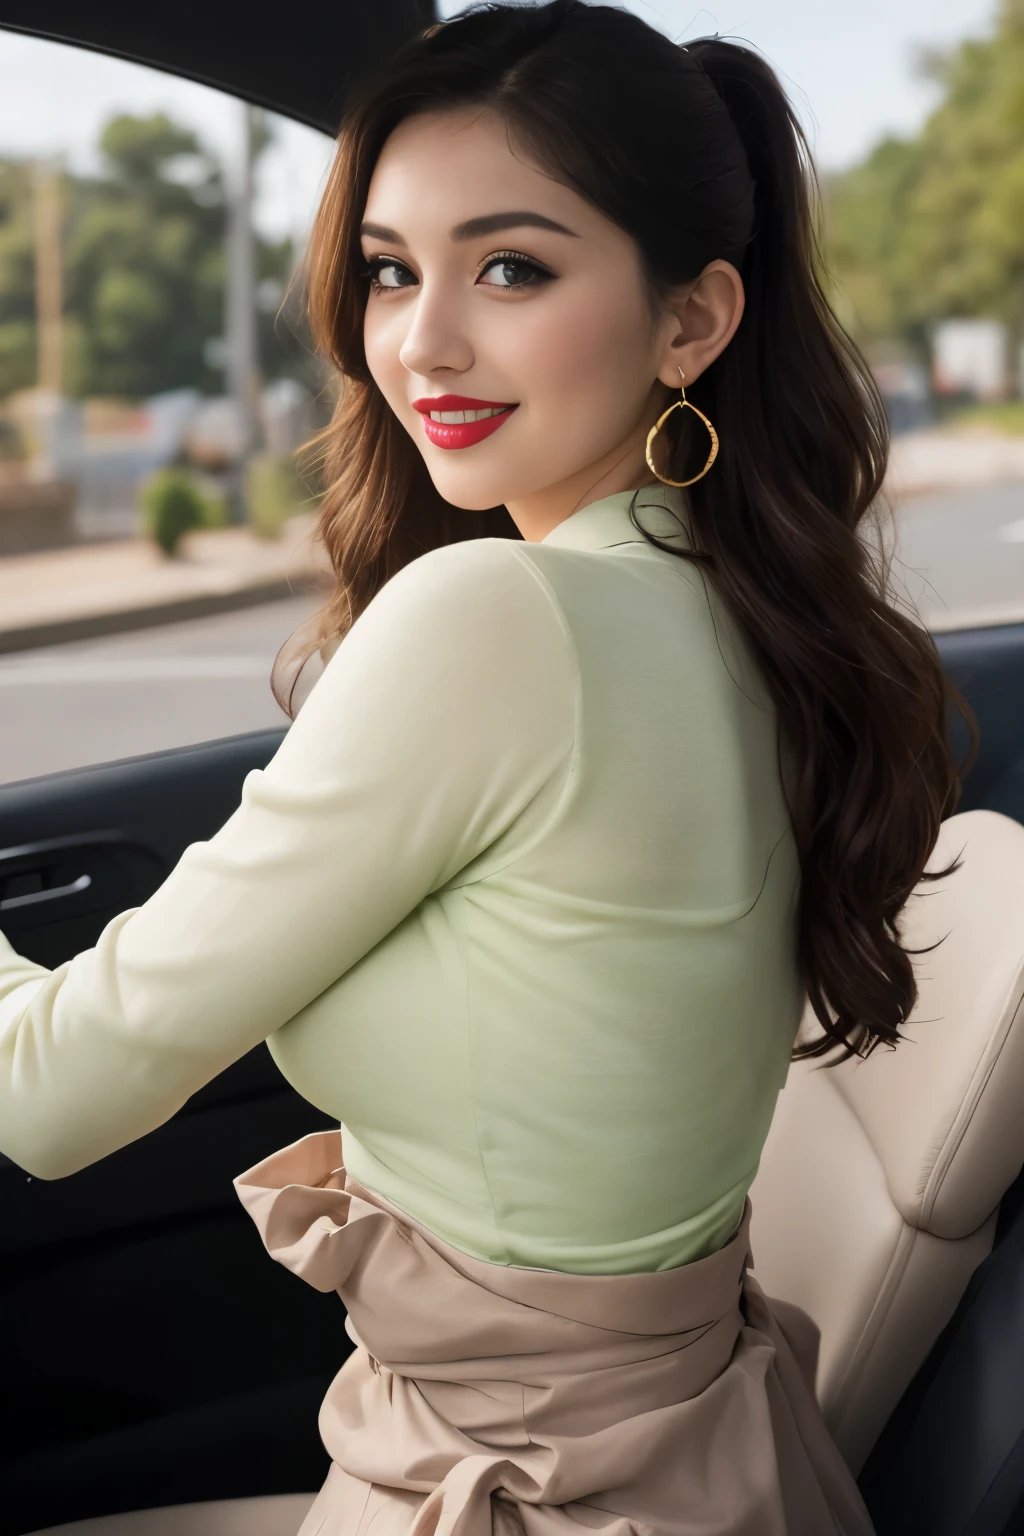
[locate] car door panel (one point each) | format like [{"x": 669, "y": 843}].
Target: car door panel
[
  {"x": 152, "y": 1346},
  {"x": 232, "y": 1448},
  {"x": 125, "y": 825},
  {"x": 987, "y": 665},
  {"x": 185, "y": 1166}
]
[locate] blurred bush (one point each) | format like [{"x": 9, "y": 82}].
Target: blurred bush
[
  {"x": 175, "y": 502},
  {"x": 274, "y": 492},
  {"x": 1002, "y": 416}
]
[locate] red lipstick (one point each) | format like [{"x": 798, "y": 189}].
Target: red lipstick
[{"x": 445, "y": 434}]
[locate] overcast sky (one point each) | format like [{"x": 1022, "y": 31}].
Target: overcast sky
[{"x": 848, "y": 65}]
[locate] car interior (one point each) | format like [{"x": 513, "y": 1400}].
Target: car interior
[{"x": 889, "y": 1205}]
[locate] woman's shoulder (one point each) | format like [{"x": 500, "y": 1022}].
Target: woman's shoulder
[
  {"x": 484, "y": 583},
  {"x": 465, "y": 562},
  {"x": 458, "y": 619}
]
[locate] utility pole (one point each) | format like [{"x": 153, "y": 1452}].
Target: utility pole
[
  {"x": 49, "y": 275},
  {"x": 48, "y": 416},
  {"x": 242, "y": 363}
]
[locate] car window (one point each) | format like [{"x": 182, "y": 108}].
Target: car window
[
  {"x": 154, "y": 371},
  {"x": 156, "y": 380}
]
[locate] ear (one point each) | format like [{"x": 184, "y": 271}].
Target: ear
[{"x": 701, "y": 320}]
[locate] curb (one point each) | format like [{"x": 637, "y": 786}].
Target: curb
[{"x": 88, "y": 626}]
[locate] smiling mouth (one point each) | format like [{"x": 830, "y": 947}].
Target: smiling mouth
[{"x": 465, "y": 428}]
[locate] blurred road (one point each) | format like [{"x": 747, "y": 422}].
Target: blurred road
[
  {"x": 960, "y": 561},
  {"x": 961, "y": 555},
  {"x": 88, "y": 702}
]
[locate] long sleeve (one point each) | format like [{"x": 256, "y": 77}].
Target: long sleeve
[{"x": 448, "y": 707}]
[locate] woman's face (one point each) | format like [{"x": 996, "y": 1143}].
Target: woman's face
[{"x": 506, "y": 289}]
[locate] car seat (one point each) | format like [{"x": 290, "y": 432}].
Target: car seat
[
  {"x": 879, "y": 1186},
  {"x": 276, "y": 1515}
]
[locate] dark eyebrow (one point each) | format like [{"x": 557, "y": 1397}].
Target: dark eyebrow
[{"x": 487, "y": 224}]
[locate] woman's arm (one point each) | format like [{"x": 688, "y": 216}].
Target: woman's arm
[{"x": 446, "y": 709}]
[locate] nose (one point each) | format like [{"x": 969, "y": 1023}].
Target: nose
[{"x": 436, "y": 336}]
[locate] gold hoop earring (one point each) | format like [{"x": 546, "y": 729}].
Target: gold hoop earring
[{"x": 678, "y": 405}]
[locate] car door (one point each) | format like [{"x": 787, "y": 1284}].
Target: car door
[{"x": 153, "y": 1353}]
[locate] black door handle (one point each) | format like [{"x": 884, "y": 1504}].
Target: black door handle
[{"x": 65, "y": 877}]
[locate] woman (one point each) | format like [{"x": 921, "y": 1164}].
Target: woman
[{"x": 532, "y": 894}]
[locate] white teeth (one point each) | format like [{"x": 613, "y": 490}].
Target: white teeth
[{"x": 453, "y": 417}]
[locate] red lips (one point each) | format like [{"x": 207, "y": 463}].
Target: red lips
[{"x": 453, "y": 434}]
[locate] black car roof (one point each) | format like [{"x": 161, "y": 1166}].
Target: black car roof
[{"x": 295, "y": 59}]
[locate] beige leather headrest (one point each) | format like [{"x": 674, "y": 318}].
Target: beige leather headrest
[{"x": 944, "y": 1110}]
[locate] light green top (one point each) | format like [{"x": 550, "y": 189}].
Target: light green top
[{"x": 514, "y": 901}]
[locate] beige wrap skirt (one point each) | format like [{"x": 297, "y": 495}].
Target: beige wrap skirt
[{"x": 486, "y": 1398}]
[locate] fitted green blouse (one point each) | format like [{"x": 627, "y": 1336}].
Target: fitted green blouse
[{"x": 514, "y": 901}]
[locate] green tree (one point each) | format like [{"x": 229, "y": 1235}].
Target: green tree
[
  {"x": 933, "y": 226},
  {"x": 144, "y": 268},
  {"x": 18, "y": 358},
  {"x": 145, "y": 262}
]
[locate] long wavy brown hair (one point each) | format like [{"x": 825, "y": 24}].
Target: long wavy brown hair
[{"x": 695, "y": 152}]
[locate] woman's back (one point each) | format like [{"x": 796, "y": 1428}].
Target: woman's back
[{"x": 567, "y": 1056}]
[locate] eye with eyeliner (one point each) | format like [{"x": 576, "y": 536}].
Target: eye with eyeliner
[{"x": 376, "y": 264}]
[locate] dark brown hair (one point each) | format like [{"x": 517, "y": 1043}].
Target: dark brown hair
[{"x": 695, "y": 152}]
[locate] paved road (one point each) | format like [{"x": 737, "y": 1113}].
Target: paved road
[
  {"x": 95, "y": 700},
  {"x": 961, "y": 558},
  {"x": 962, "y": 555}
]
